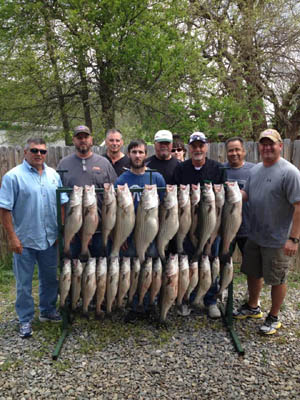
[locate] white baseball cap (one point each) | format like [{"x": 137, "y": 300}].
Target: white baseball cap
[{"x": 163, "y": 136}]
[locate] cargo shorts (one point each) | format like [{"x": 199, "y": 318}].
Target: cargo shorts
[{"x": 265, "y": 262}]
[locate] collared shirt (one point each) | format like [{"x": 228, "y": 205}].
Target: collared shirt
[
  {"x": 118, "y": 165},
  {"x": 31, "y": 198}
]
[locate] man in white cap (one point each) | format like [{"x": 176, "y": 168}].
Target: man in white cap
[
  {"x": 163, "y": 161},
  {"x": 199, "y": 169},
  {"x": 273, "y": 193},
  {"x": 86, "y": 168}
]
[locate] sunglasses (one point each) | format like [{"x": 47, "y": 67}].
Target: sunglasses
[
  {"x": 36, "y": 151},
  {"x": 173, "y": 150}
]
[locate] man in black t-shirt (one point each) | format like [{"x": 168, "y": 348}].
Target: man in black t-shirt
[
  {"x": 199, "y": 169},
  {"x": 163, "y": 161},
  {"x": 114, "y": 143}
]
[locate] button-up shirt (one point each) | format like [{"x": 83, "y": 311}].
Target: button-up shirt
[{"x": 31, "y": 198}]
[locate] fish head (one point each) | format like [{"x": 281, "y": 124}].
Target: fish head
[
  {"x": 89, "y": 195},
  {"x": 233, "y": 192},
  {"x": 183, "y": 262},
  {"x": 207, "y": 194},
  {"x": 170, "y": 198},
  {"x": 195, "y": 194},
  {"x": 149, "y": 197},
  {"x": 219, "y": 194},
  {"x": 109, "y": 193},
  {"x": 183, "y": 195},
  {"x": 76, "y": 196},
  {"x": 124, "y": 196}
]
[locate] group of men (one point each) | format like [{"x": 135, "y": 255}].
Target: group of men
[{"x": 268, "y": 237}]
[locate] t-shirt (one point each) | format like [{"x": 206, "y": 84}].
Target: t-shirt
[
  {"x": 164, "y": 167},
  {"x": 185, "y": 173},
  {"x": 135, "y": 181},
  {"x": 94, "y": 170},
  {"x": 118, "y": 165},
  {"x": 272, "y": 191},
  {"x": 241, "y": 175}
]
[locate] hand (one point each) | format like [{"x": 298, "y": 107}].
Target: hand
[
  {"x": 15, "y": 245},
  {"x": 290, "y": 248}
]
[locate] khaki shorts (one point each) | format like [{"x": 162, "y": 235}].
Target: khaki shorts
[{"x": 265, "y": 262}]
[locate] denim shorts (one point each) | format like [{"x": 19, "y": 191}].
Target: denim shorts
[{"x": 265, "y": 262}]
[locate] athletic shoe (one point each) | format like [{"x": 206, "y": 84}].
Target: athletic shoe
[
  {"x": 245, "y": 311},
  {"x": 51, "y": 317},
  {"x": 270, "y": 325},
  {"x": 25, "y": 330},
  {"x": 213, "y": 311}
]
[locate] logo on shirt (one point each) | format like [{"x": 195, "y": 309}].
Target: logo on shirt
[{"x": 95, "y": 168}]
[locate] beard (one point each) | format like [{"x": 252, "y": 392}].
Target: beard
[
  {"x": 83, "y": 149},
  {"x": 134, "y": 165}
]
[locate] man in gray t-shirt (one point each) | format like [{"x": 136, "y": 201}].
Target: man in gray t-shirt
[
  {"x": 86, "y": 168},
  {"x": 273, "y": 193},
  {"x": 237, "y": 169}
]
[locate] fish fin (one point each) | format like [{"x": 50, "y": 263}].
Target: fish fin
[
  {"x": 86, "y": 212},
  {"x": 232, "y": 208}
]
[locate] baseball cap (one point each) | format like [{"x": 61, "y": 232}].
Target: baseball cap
[
  {"x": 81, "y": 128},
  {"x": 163, "y": 136},
  {"x": 270, "y": 134},
  {"x": 197, "y": 136}
]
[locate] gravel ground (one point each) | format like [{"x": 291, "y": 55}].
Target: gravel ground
[{"x": 193, "y": 359}]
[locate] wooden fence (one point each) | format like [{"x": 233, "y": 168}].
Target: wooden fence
[{"x": 12, "y": 156}]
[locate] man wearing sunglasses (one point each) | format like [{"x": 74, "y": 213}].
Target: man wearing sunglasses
[{"x": 28, "y": 214}]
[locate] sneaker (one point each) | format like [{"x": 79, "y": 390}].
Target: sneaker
[
  {"x": 213, "y": 311},
  {"x": 51, "y": 317},
  {"x": 25, "y": 330},
  {"x": 270, "y": 325},
  {"x": 245, "y": 311}
]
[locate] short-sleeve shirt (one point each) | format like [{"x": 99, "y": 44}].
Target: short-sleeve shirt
[
  {"x": 164, "y": 167},
  {"x": 185, "y": 173},
  {"x": 272, "y": 191},
  {"x": 31, "y": 198},
  {"x": 119, "y": 165},
  {"x": 94, "y": 170},
  {"x": 135, "y": 181},
  {"x": 241, "y": 175}
]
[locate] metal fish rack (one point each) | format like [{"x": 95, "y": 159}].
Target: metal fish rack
[{"x": 226, "y": 309}]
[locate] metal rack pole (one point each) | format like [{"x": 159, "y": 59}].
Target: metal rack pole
[{"x": 226, "y": 313}]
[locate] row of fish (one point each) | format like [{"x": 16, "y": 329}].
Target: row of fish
[
  {"x": 113, "y": 282},
  {"x": 81, "y": 214},
  {"x": 187, "y": 210}
]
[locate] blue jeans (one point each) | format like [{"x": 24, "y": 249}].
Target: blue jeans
[
  {"x": 209, "y": 298},
  {"x": 23, "y": 266}
]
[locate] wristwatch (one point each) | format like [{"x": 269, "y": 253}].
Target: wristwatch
[{"x": 294, "y": 240}]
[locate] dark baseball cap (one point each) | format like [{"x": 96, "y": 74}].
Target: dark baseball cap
[
  {"x": 81, "y": 129},
  {"x": 197, "y": 136}
]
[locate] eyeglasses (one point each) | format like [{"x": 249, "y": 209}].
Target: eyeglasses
[
  {"x": 173, "y": 150},
  {"x": 36, "y": 151}
]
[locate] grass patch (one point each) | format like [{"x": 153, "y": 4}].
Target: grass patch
[{"x": 9, "y": 365}]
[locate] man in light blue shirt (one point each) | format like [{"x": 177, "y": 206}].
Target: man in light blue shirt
[{"x": 29, "y": 216}]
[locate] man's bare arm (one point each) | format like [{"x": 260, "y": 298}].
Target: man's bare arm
[
  {"x": 291, "y": 248},
  {"x": 13, "y": 241}
]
